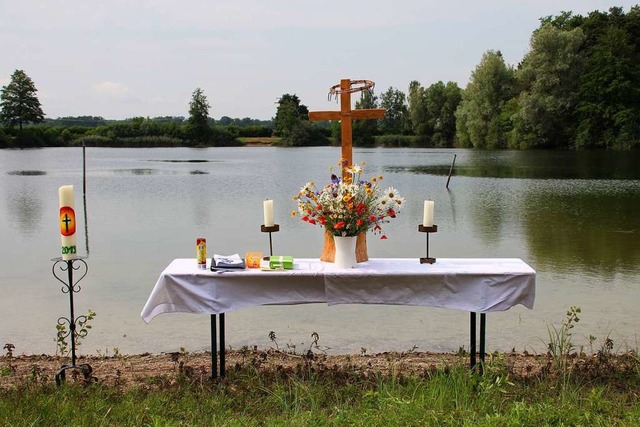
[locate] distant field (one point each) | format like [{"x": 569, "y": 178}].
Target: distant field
[{"x": 260, "y": 140}]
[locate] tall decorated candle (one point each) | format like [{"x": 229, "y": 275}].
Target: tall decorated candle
[
  {"x": 427, "y": 218},
  {"x": 67, "y": 222},
  {"x": 268, "y": 213}
]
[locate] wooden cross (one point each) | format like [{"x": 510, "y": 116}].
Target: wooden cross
[{"x": 346, "y": 115}]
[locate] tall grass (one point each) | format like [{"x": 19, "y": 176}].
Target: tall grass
[
  {"x": 306, "y": 395},
  {"x": 570, "y": 389}
]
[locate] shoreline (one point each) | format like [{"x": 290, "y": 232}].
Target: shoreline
[{"x": 139, "y": 369}]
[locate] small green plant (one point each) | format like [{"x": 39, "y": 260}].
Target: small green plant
[
  {"x": 272, "y": 337},
  {"x": 560, "y": 345},
  {"x": 83, "y": 325},
  {"x": 9, "y": 348}
]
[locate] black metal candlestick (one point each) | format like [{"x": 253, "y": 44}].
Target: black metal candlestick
[
  {"x": 427, "y": 230},
  {"x": 70, "y": 286},
  {"x": 270, "y": 229}
]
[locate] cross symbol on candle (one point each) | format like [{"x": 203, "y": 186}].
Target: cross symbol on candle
[{"x": 66, "y": 221}]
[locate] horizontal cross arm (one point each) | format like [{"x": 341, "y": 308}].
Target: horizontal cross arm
[
  {"x": 375, "y": 113},
  {"x": 315, "y": 116}
]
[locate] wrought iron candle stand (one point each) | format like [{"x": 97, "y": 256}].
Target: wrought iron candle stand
[
  {"x": 270, "y": 229},
  {"x": 427, "y": 230},
  {"x": 60, "y": 267}
]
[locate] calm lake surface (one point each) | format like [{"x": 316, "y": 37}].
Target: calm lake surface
[{"x": 572, "y": 216}]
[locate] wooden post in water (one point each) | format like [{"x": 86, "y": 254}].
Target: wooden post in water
[
  {"x": 451, "y": 169},
  {"x": 84, "y": 196}
]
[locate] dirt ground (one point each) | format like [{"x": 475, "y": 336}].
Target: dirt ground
[{"x": 132, "y": 370}]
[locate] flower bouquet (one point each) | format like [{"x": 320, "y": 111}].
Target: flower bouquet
[{"x": 349, "y": 206}]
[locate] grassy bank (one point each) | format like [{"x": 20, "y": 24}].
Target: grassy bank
[{"x": 269, "y": 388}]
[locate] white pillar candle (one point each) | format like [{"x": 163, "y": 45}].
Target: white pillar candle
[
  {"x": 427, "y": 218},
  {"x": 67, "y": 222},
  {"x": 268, "y": 213}
]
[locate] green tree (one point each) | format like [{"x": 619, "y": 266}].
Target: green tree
[
  {"x": 418, "y": 110},
  {"x": 608, "y": 107},
  {"x": 549, "y": 77},
  {"x": 432, "y": 112},
  {"x": 396, "y": 116},
  {"x": 197, "y": 127},
  {"x": 289, "y": 114},
  {"x": 479, "y": 117},
  {"x": 18, "y": 101},
  {"x": 442, "y": 101}
]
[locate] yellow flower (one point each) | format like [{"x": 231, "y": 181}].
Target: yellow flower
[{"x": 294, "y": 213}]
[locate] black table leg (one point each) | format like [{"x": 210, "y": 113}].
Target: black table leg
[
  {"x": 214, "y": 348},
  {"x": 483, "y": 340},
  {"x": 217, "y": 329},
  {"x": 483, "y": 333},
  {"x": 472, "y": 345},
  {"x": 222, "y": 345}
]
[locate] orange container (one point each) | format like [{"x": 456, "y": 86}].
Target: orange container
[
  {"x": 201, "y": 252},
  {"x": 252, "y": 259}
]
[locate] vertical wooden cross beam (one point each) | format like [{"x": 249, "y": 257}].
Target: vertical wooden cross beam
[{"x": 346, "y": 115}]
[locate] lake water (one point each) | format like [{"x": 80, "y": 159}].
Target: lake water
[{"x": 572, "y": 216}]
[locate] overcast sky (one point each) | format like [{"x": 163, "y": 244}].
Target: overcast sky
[{"x": 126, "y": 58}]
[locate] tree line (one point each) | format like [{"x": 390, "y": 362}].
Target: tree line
[{"x": 577, "y": 87}]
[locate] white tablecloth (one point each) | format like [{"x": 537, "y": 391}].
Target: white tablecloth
[{"x": 480, "y": 285}]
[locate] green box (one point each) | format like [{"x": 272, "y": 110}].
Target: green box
[{"x": 280, "y": 261}]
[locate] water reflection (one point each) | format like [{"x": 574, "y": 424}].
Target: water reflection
[
  {"x": 25, "y": 212},
  {"x": 137, "y": 171},
  {"x": 488, "y": 212},
  {"x": 592, "y": 230},
  {"x": 452, "y": 202},
  {"x": 539, "y": 165},
  {"x": 185, "y": 161},
  {"x": 27, "y": 173}
]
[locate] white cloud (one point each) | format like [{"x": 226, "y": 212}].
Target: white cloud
[{"x": 112, "y": 90}]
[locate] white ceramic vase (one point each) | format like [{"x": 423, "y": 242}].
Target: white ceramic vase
[{"x": 345, "y": 256}]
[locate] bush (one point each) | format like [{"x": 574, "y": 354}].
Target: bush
[
  {"x": 221, "y": 137},
  {"x": 33, "y": 136},
  {"x": 305, "y": 134},
  {"x": 5, "y": 140}
]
